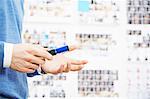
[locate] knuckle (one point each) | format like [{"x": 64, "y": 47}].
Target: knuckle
[{"x": 28, "y": 59}]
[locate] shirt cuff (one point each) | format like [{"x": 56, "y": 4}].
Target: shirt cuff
[{"x": 8, "y": 50}]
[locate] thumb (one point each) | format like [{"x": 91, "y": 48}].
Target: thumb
[{"x": 73, "y": 47}]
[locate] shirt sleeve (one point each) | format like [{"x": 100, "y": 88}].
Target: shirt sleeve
[
  {"x": 8, "y": 50},
  {"x": 1, "y": 54}
]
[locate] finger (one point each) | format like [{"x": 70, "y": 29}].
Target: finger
[
  {"x": 76, "y": 67},
  {"x": 46, "y": 49},
  {"x": 60, "y": 70},
  {"x": 42, "y": 58},
  {"x": 30, "y": 70},
  {"x": 42, "y": 53},
  {"x": 34, "y": 59},
  {"x": 67, "y": 68},
  {"x": 78, "y": 62},
  {"x": 31, "y": 66},
  {"x": 26, "y": 70},
  {"x": 73, "y": 47}
]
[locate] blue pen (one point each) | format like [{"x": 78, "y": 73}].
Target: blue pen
[{"x": 59, "y": 50}]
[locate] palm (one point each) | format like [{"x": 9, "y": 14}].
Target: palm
[{"x": 54, "y": 66}]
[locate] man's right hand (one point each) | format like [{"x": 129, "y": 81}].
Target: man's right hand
[{"x": 26, "y": 57}]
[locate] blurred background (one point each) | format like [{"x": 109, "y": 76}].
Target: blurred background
[{"x": 114, "y": 36}]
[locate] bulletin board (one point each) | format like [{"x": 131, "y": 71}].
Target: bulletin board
[{"x": 114, "y": 36}]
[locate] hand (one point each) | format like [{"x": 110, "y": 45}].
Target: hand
[
  {"x": 60, "y": 64},
  {"x": 26, "y": 58}
]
